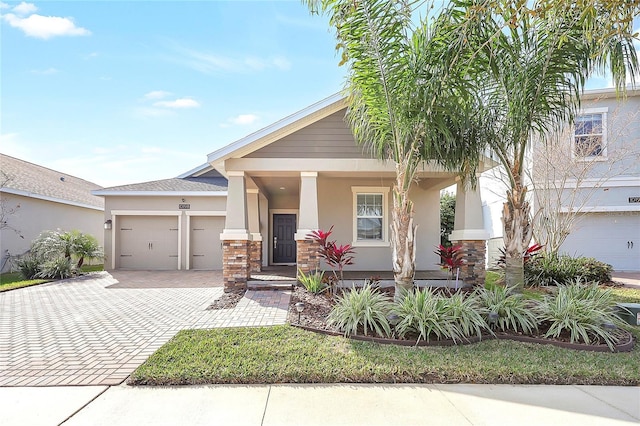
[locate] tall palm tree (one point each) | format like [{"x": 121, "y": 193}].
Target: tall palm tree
[
  {"x": 396, "y": 106},
  {"x": 530, "y": 61}
]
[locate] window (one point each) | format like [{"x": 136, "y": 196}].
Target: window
[
  {"x": 370, "y": 216},
  {"x": 589, "y": 138}
]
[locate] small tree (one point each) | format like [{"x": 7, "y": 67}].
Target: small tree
[
  {"x": 6, "y": 208},
  {"x": 565, "y": 182}
]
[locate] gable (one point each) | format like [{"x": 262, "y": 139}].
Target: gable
[{"x": 329, "y": 137}]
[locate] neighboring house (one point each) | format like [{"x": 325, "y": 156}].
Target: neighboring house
[
  {"x": 255, "y": 201},
  {"x": 596, "y": 171},
  {"x": 36, "y": 199}
]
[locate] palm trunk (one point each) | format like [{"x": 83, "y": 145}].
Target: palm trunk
[
  {"x": 518, "y": 231},
  {"x": 403, "y": 236}
]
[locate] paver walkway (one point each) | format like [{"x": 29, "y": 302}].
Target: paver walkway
[{"x": 86, "y": 331}]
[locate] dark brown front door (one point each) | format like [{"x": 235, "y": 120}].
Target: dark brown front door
[{"x": 284, "y": 244}]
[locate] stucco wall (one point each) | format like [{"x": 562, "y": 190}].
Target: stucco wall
[
  {"x": 335, "y": 204},
  {"x": 150, "y": 203},
  {"x": 35, "y": 216}
]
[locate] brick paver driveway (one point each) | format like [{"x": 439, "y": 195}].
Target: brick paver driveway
[{"x": 96, "y": 329}]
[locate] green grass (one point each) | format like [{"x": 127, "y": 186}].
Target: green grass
[
  {"x": 14, "y": 280},
  {"x": 285, "y": 354},
  {"x": 626, "y": 295}
]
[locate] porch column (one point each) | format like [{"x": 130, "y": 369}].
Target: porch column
[
  {"x": 469, "y": 232},
  {"x": 306, "y": 249},
  {"x": 235, "y": 237},
  {"x": 255, "y": 246}
]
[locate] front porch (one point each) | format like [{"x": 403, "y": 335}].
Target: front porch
[{"x": 281, "y": 276}]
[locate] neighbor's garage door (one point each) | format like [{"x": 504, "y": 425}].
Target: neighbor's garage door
[
  {"x": 148, "y": 242},
  {"x": 206, "y": 248},
  {"x": 610, "y": 237}
]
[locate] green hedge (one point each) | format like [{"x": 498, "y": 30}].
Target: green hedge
[{"x": 552, "y": 269}]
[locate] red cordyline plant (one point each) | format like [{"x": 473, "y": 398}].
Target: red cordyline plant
[
  {"x": 336, "y": 256},
  {"x": 451, "y": 258}
]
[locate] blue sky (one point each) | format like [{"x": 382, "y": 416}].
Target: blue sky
[
  {"x": 120, "y": 92},
  {"x": 128, "y": 91}
]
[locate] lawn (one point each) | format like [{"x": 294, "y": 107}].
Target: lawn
[
  {"x": 14, "y": 280},
  {"x": 286, "y": 354}
]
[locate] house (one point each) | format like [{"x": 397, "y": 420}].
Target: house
[
  {"x": 35, "y": 199},
  {"x": 591, "y": 176},
  {"x": 254, "y": 201}
]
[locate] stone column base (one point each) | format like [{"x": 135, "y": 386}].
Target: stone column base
[
  {"x": 235, "y": 264},
  {"x": 473, "y": 270},
  {"x": 307, "y": 255},
  {"x": 255, "y": 256}
]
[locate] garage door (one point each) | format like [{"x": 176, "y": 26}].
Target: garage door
[
  {"x": 148, "y": 242},
  {"x": 206, "y": 248},
  {"x": 610, "y": 237}
]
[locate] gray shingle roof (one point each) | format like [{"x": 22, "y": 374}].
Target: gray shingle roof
[
  {"x": 175, "y": 185},
  {"x": 34, "y": 180}
]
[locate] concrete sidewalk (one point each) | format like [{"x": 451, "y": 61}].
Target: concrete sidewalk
[{"x": 290, "y": 404}]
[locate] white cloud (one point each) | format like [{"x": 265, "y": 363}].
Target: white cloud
[
  {"x": 178, "y": 103},
  {"x": 48, "y": 71},
  {"x": 45, "y": 27},
  {"x": 244, "y": 119},
  {"x": 156, "y": 94},
  {"x": 25, "y": 8},
  {"x": 4, "y": 5}
]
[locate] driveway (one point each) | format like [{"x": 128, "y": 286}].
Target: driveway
[{"x": 97, "y": 329}]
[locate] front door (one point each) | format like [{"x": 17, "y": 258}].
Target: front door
[{"x": 284, "y": 244}]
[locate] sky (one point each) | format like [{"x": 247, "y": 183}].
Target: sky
[
  {"x": 119, "y": 92},
  {"x": 131, "y": 91}
]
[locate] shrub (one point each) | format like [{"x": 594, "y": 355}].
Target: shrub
[
  {"x": 366, "y": 308},
  {"x": 514, "y": 311},
  {"x": 429, "y": 314},
  {"x": 313, "y": 282},
  {"x": 57, "y": 268},
  {"x": 28, "y": 266},
  {"x": 581, "y": 310},
  {"x": 553, "y": 269}
]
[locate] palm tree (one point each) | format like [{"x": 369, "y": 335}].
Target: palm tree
[
  {"x": 530, "y": 62},
  {"x": 395, "y": 105}
]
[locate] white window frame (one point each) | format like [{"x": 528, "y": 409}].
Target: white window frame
[
  {"x": 375, "y": 190},
  {"x": 603, "y": 155}
]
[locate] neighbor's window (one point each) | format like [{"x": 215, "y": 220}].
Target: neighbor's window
[
  {"x": 590, "y": 135},
  {"x": 370, "y": 218}
]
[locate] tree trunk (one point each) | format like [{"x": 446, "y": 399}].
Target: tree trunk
[
  {"x": 518, "y": 230},
  {"x": 403, "y": 236}
]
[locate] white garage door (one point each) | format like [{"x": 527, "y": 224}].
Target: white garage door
[
  {"x": 610, "y": 237},
  {"x": 148, "y": 242},
  {"x": 206, "y": 249}
]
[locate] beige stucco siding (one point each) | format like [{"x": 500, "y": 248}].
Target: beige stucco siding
[
  {"x": 327, "y": 138},
  {"x": 149, "y": 206},
  {"x": 335, "y": 204},
  {"x": 34, "y": 216}
]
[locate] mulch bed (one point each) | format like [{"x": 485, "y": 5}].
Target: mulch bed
[
  {"x": 227, "y": 300},
  {"x": 318, "y": 306}
]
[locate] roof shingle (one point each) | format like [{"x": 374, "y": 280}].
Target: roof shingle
[{"x": 35, "y": 180}]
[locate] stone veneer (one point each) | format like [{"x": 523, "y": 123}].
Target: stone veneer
[
  {"x": 235, "y": 264},
  {"x": 307, "y": 255},
  {"x": 473, "y": 270},
  {"x": 255, "y": 256}
]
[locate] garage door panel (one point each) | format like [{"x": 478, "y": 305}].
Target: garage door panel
[
  {"x": 612, "y": 237},
  {"x": 148, "y": 242},
  {"x": 206, "y": 248}
]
